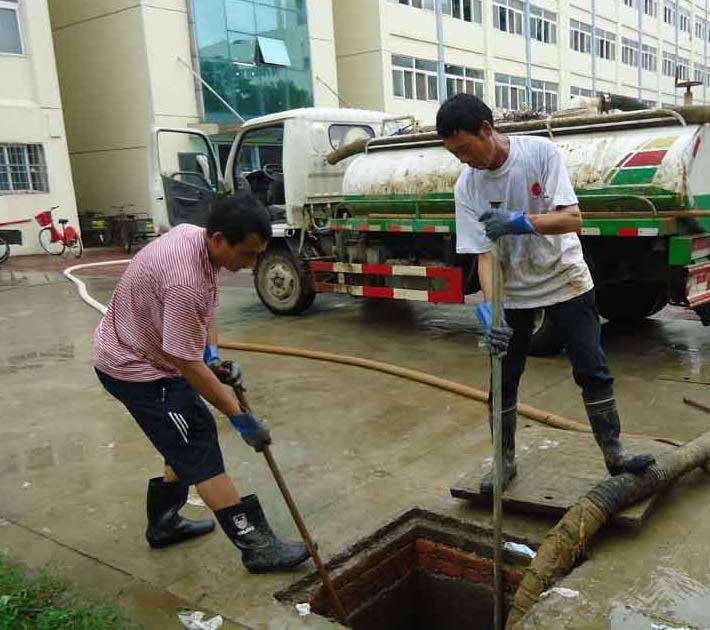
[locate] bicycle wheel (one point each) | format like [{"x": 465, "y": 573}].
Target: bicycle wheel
[
  {"x": 4, "y": 250},
  {"x": 77, "y": 247},
  {"x": 55, "y": 248}
]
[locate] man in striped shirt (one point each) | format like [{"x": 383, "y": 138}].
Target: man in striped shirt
[{"x": 155, "y": 350}]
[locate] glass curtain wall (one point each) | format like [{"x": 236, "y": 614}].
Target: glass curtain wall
[{"x": 255, "y": 53}]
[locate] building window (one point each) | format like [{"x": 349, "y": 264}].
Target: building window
[
  {"x": 605, "y": 45},
  {"x": 669, "y": 12},
  {"x": 414, "y": 78},
  {"x": 668, "y": 66},
  {"x": 543, "y": 25},
  {"x": 699, "y": 28},
  {"x": 683, "y": 69},
  {"x": 23, "y": 169},
  {"x": 650, "y": 7},
  {"x": 699, "y": 75},
  {"x": 543, "y": 96},
  {"x": 580, "y": 36},
  {"x": 629, "y": 52},
  {"x": 468, "y": 80},
  {"x": 649, "y": 58},
  {"x": 684, "y": 21},
  {"x": 466, "y": 10},
  {"x": 630, "y": 3},
  {"x": 508, "y": 16},
  {"x": 578, "y": 91},
  {"x": 510, "y": 92},
  {"x": 10, "y": 36}
]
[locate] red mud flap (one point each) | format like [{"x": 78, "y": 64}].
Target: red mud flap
[
  {"x": 352, "y": 279},
  {"x": 697, "y": 290}
]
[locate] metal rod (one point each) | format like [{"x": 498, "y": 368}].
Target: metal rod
[
  {"x": 281, "y": 483},
  {"x": 216, "y": 94},
  {"x": 440, "y": 50},
  {"x": 496, "y": 416}
]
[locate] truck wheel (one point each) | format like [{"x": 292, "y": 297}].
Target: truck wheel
[
  {"x": 629, "y": 303},
  {"x": 545, "y": 338},
  {"x": 282, "y": 283}
]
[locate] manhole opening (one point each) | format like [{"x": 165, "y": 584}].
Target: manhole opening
[{"x": 422, "y": 570}]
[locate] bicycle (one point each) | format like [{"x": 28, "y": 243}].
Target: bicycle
[
  {"x": 55, "y": 242},
  {"x": 10, "y": 237}
]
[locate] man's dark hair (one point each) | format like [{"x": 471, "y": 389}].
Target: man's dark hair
[
  {"x": 238, "y": 216},
  {"x": 462, "y": 112}
]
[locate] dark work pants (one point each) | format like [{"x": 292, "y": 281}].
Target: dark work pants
[{"x": 577, "y": 321}]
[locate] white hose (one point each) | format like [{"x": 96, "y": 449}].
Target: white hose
[{"x": 81, "y": 286}]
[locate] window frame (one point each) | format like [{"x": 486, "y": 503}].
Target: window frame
[
  {"x": 13, "y": 5},
  {"x": 33, "y": 170},
  {"x": 605, "y": 41},
  {"x": 580, "y": 33},
  {"x": 670, "y": 62},
  {"x": 649, "y": 53},
  {"x": 510, "y": 9},
  {"x": 543, "y": 22},
  {"x": 629, "y": 52},
  {"x": 412, "y": 73},
  {"x": 653, "y": 4},
  {"x": 511, "y": 84}
]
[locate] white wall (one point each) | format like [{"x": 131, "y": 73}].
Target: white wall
[
  {"x": 362, "y": 36},
  {"x": 324, "y": 67},
  {"x": 31, "y": 112},
  {"x": 104, "y": 80}
]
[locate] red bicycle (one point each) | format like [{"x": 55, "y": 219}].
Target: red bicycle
[{"x": 55, "y": 242}]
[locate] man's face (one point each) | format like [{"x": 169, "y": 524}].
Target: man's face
[
  {"x": 476, "y": 150},
  {"x": 243, "y": 255}
]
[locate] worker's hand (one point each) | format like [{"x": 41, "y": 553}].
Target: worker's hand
[
  {"x": 252, "y": 430},
  {"x": 498, "y": 223},
  {"x": 228, "y": 372},
  {"x": 497, "y": 338}
]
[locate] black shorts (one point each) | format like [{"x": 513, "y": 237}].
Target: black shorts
[{"x": 177, "y": 422}]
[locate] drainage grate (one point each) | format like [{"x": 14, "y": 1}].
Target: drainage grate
[{"x": 422, "y": 570}]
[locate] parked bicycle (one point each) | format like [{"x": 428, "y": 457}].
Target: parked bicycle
[{"x": 54, "y": 241}]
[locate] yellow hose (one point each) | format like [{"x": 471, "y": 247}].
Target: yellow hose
[{"x": 460, "y": 389}]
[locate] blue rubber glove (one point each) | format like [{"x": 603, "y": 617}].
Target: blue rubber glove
[
  {"x": 252, "y": 430},
  {"x": 496, "y": 338},
  {"x": 228, "y": 372},
  {"x": 498, "y": 223}
]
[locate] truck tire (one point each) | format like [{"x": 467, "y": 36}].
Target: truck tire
[
  {"x": 629, "y": 303},
  {"x": 283, "y": 283},
  {"x": 545, "y": 340}
]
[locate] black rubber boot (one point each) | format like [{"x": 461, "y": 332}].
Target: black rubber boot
[
  {"x": 246, "y": 526},
  {"x": 510, "y": 469},
  {"x": 165, "y": 525},
  {"x": 604, "y": 418}
]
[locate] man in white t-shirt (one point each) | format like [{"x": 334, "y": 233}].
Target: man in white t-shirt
[{"x": 516, "y": 191}]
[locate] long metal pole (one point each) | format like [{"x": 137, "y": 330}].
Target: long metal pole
[
  {"x": 677, "y": 24},
  {"x": 639, "y": 10},
  {"x": 496, "y": 416},
  {"x": 312, "y": 549},
  {"x": 528, "y": 55},
  {"x": 441, "y": 53},
  {"x": 594, "y": 48}
]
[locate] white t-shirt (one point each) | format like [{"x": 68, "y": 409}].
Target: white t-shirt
[{"x": 538, "y": 270}]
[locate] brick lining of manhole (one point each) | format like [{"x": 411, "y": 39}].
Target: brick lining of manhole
[{"x": 420, "y": 555}]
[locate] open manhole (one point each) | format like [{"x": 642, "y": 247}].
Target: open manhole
[{"x": 422, "y": 570}]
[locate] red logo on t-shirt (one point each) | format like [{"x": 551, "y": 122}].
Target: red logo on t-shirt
[{"x": 536, "y": 189}]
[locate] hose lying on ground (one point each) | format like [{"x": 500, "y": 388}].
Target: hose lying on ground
[
  {"x": 565, "y": 543},
  {"x": 527, "y": 411},
  {"x": 532, "y": 413}
]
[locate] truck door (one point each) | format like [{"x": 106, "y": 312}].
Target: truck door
[
  {"x": 258, "y": 166},
  {"x": 189, "y": 174}
]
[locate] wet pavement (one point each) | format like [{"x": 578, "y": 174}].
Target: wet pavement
[{"x": 356, "y": 447}]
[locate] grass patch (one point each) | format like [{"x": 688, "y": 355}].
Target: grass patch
[{"x": 43, "y": 602}]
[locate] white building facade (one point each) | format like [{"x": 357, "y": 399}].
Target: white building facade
[{"x": 519, "y": 54}]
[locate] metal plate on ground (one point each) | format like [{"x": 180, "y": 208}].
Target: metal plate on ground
[{"x": 555, "y": 468}]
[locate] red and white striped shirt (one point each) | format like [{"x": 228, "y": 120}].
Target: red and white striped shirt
[{"x": 162, "y": 307}]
